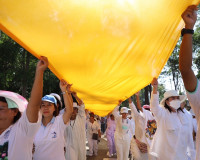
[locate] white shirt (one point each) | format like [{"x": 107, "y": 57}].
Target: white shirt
[
  {"x": 75, "y": 137},
  {"x": 194, "y": 99},
  {"x": 145, "y": 125},
  {"x": 164, "y": 144},
  {"x": 132, "y": 129},
  {"x": 123, "y": 126},
  {"x": 49, "y": 141},
  {"x": 194, "y": 123},
  {"x": 92, "y": 128},
  {"x": 185, "y": 140},
  {"x": 18, "y": 139}
]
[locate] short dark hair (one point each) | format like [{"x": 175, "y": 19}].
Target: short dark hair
[
  {"x": 56, "y": 112},
  {"x": 2, "y": 99},
  {"x": 17, "y": 117}
]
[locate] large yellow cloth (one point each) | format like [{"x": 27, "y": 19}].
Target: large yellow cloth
[{"x": 108, "y": 49}]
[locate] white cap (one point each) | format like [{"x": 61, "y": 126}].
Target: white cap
[
  {"x": 75, "y": 104},
  {"x": 124, "y": 110}
]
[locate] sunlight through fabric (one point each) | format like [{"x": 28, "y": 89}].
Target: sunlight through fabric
[{"x": 108, "y": 49}]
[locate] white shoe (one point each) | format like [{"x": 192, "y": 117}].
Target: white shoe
[{"x": 109, "y": 155}]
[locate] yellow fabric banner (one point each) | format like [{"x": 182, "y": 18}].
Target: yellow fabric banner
[{"x": 108, "y": 49}]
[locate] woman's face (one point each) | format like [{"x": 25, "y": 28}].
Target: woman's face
[
  {"x": 47, "y": 109},
  {"x": 124, "y": 115},
  {"x": 6, "y": 115},
  {"x": 171, "y": 99},
  {"x": 112, "y": 117}
]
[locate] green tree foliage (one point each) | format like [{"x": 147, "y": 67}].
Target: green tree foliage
[
  {"x": 196, "y": 46},
  {"x": 18, "y": 69}
]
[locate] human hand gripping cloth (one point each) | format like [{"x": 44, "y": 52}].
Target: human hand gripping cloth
[{"x": 108, "y": 49}]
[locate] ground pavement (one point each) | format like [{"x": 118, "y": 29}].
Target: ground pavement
[{"x": 102, "y": 151}]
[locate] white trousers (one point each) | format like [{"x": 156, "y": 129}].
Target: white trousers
[
  {"x": 93, "y": 146},
  {"x": 122, "y": 147}
]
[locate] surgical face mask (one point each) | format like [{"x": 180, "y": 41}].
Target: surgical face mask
[{"x": 175, "y": 104}]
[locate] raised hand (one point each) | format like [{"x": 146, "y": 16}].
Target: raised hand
[
  {"x": 120, "y": 102},
  {"x": 138, "y": 93},
  {"x": 190, "y": 16},
  {"x": 42, "y": 64},
  {"x": 154, "y": 83},
  {"x": 64, "y": 86}
]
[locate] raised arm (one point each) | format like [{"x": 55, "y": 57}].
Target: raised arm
[
  {"x": 80, "y": 102},
  {"x": 115, "y": 111},
  {"x": 133, "y": 108},
  {"x": 154, "y": 103},
  {"x": 65, "y": 88},
  {"x": 138, "y": 101},
  {"x": 185, "y": 58},
  {"x": 37, "y": 91}
]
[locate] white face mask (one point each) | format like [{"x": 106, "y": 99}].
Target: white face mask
[{"x": 175, "y": 104}]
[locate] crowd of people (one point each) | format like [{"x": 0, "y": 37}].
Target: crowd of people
[{"x": 45, "y": 128}]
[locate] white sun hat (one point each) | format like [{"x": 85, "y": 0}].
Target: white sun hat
[{"x": 172, "y": 93}]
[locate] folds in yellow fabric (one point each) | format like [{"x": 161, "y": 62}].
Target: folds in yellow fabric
[{"x": 108, "y": 49}]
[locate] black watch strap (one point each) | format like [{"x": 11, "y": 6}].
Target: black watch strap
[{"x": 187, "y": 31}]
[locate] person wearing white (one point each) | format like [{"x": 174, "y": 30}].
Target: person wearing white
[
  {"x": 75, "y": 134},
  {"x": 194, "y": 121},
  {"x": 122, "y": 136},
  {"x": 144, "y": 131},
  {"x": 191, "y": 83},
  {"x": 111, "y": 126},
  {"x": 132, "y": 129},
  {"x": 187, "y": 130},
  {"x": 49, "y": 142},
  {"x": 93, "y": 133},
  {"x": 167, "y": 142},
  {"x": 17, "y": 132}
]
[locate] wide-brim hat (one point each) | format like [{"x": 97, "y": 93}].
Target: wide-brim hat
[
  {"x": 124, "y": 110},
  {"x": 14, "y": 100},
  {"x": 172, "y": 93}
]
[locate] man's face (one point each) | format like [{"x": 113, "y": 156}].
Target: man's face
[
  {"x": 6, "y": 115},
  {"x": 91, "y": 119},
  {"x": 74, "y": 113}
]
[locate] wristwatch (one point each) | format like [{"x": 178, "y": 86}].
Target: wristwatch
[{"x": 187, "y": 31}]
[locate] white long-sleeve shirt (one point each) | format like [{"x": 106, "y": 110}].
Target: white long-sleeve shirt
[
  {"x": 194, "y": 99},
  {"x": 145, "y": 125},
  {"x": 123, "y": 126},
  {"x": 164, "y": 144},
  {"x": 174, "y": 133},
  {"x": 76, "y": 136},
  {"x": 185, "y": 140}
]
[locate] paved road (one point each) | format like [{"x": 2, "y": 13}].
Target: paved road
[{"x": 102, "y": 152}]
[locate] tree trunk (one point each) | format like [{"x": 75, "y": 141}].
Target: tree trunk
[
  {"x": 26, "y": 69},
  {"x": 146, "y": 93}
]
